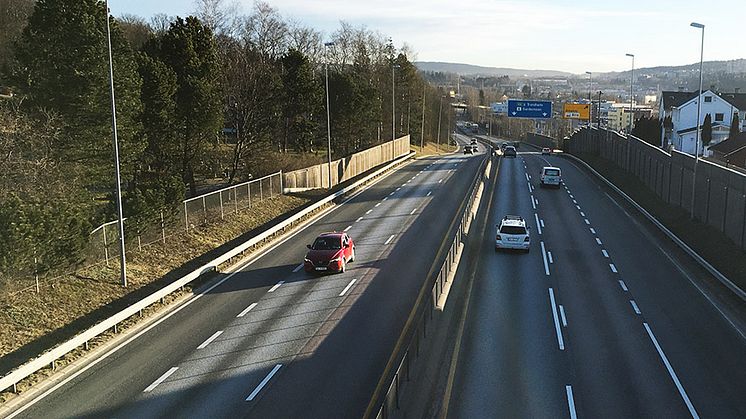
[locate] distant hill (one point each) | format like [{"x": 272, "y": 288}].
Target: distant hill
[
  {"x": 475, "y": 70},
  {"x": 728, "y": 67}
]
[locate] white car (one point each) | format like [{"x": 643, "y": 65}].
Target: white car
[
  {"x": 551, "y": 176},
  {"x": 512, "y": 233},
  {"x": 546, "y": 151}
]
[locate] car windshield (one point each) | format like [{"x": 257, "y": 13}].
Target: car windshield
[
  {"x": 552, "y": 172},
  {"x": 326, "y": 243},
  {"x": 512, "y": 230}
]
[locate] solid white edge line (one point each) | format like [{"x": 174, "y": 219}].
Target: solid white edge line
[
  {"x": 277, "y": 285},
  {"x": 538, "y": 224},
  {"x": 562, "y": 315},
  {"x": 160, "y": 379},
  {"x": 246, "y": 310},
  {"x": 612, "y": 267},
  {"x": 634, "y": 307},
  {"x": 605, "y": 253},
  {"x": 671, "y": 372},
  {"x": 549, "y": 255},
  {"x": 560, "y": 341},
  {"x": 210, "y": 339},
  {"x": 238, "y": 268},
  {"x": 347, "y": 288},
  {"x": 390, "y": 238},
  {"x": 299, "y": 267},
  {"x": 263, "y": 383},
  {"x": 623, "y": 285},
  {"x": 571, "y": 402},
  {"x": 544, "y": 256}
]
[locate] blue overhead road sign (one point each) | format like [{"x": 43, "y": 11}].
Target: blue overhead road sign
[{"x": 529, "y": 108}]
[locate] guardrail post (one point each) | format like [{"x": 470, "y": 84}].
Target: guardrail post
[
  {"x": 235, "y": 198},
  {"x": 270, "y": 186},
  {"x": 204, "y": 208}
]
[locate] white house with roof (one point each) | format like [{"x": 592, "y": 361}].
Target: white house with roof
[{"x": 681, "y": 107}]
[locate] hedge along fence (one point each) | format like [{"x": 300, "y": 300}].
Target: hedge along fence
[
  {"x": 346, "y": 168},
  {"x": 720, "y": 192}
]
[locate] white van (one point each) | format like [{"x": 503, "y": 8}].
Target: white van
[{"x": 551, "y": 176}]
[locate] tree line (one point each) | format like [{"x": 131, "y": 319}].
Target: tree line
[{"x": 214, "y": 89}]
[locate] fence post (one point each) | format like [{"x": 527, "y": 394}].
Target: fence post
[
  {"x": 204, "y": 208},
  {"x": 222, "y": 213},
  {"x": 235, "y": 198},
  {"x": 270, "y": 186},
  {"x": 163, "y": 228},
  {"x": 36, "y": 271},
  {"x": 186, "y": 218},
  {"x": 106, "y": 249},
  {"x": 260, "y": 190},
  {"x": 282, "y": 186},
  {"x": 248, "y": 190}
]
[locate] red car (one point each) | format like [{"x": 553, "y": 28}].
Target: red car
[{"x": 330, "y": 252}]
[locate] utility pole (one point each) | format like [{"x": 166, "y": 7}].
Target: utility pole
[
  {"x": 699, "y": 113},
  {"x": 422, "y": 137},
  {"x": 328, "y": 118},
  {"x": 440, "y": 113}
]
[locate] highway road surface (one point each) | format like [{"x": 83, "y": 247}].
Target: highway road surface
[
  {"x": 272, "y": 341},
  {"x": 597, "y": 321}
]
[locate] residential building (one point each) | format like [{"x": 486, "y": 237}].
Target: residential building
[
  {"x": 731, "y": 151},
  {"x": 618, "y": 115},
  {"x": 681, "y": 108}
]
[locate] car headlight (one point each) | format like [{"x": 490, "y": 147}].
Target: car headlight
[
  {"x": 307, "y": 260},
  {"x": 335, "y": 260}
]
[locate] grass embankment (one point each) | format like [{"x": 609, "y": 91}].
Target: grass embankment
[
  {"x": 725, "y": 255},
  {"x": 432, "y": 149},
  {"x": 31, "y": 322}
]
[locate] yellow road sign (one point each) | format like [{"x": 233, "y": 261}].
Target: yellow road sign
[{"x": 576, "y": 111}]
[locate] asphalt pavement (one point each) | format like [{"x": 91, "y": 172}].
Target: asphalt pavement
[
  {"x": 272, "y": 341},
  {"x": 598, "y": 320}
]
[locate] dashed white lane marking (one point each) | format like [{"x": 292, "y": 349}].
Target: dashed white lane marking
[
  {"x": 347, "y": 288},
  {"x": 544, "y": 256},
  {"x": 264, "y": 382},
  {"x": 539, "y": 224},
  {"x": 390, "y": 238},
  {"x": 160, "y": 379},
  {"x": 210, "y": 339},
  {"x": 671, "y": 372},
  {"x": 598, "y": 241},
  {"x": 299, "y": 267},
  {"x": 440, "y": 181},
  {"x": 613, "y": 268},
  {"x": 404, "y": 184},
  {"x": 623, "y": 285},
  {"x": 533, "y": 204},
  {"x": 549, "y": 255},
  {"x": 586, "y": 221},
  {"x": 246, "y": 310},
  {"x": 429, "y": 193},
  {"x": 347, "y": 228},
  {"x": 571, "y": 402},
  {"x": 578, "y": 207},
  {"x": 593, "y": 230},
  {"x": 574, "y": 201},
  {"x": 582, "y": 214},
  {"x": 277, "y": 285},
  {"x": 413, "y": 211},
  {"x": 606, "y": 254},
  {"x": 560, "y": 340},
  {"x": 562, "y": 315},
  {"x": 572, "y": 197},
  {"x": 393, "y": 192},
  {"x": 634, "y": 307},
  {"x": 529, "y": 187},
  {"x": 378, "y": 205},
  {"x": 398, "y": 189},
  {"x": 537, "y": 201},
  {"x": 368, "y": 212},
  {"x": 413, "y": 177},
  {"x": 384, "y": 199},
  {"x": 527, "y": 178},
  {"x": 358, "y": 219}
]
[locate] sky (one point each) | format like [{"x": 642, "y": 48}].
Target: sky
[{"x": 574, "y": 36}]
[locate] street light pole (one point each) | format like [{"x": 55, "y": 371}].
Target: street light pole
[
  {"x": 328, "y": 117},
  {"x": 598, "y": 113},
  {"x": 590, "y": 100},
  {"x": 440, "y": 113},
  {"x": 422, "y": 137},
  {"x": 393, "y": 108},
  {"x": 699, "y": 113},
  {"x": 631, "y": 94},
  {"x": 122, "y": 253}
]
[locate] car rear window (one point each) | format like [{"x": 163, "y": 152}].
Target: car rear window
[
  {"x": 326, "y": 243},
  {"x": 512, "y": 230},
  {"x": 552, "y": 172}
]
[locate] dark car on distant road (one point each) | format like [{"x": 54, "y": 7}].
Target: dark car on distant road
[
  {"x": 509, "y": 151},
  {"x": 330, "y": 252}
]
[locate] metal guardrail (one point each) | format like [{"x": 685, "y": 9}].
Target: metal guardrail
[
  {"x": 385, "y": 399},
  {"x": 685, "y": 247},
  {"x": 48, "y": 358}
]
